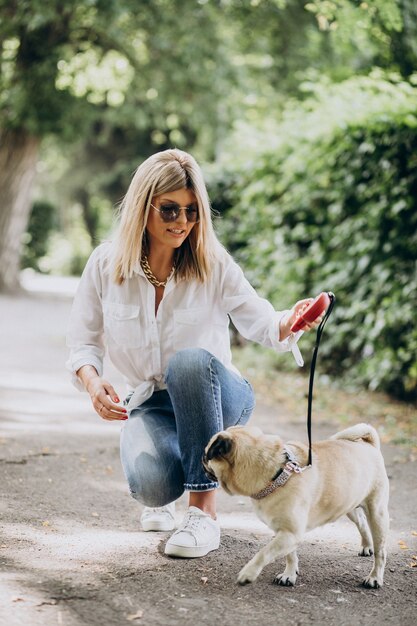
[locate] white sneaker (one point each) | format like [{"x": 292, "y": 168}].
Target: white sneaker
[
  {"x": 158, "y": 518},
  {"x": 197, "y": 535}
]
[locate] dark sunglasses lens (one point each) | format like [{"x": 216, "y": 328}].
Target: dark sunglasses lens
[
  {"x": 169, "y": 212},
  {"x": 192, "y": 213}
]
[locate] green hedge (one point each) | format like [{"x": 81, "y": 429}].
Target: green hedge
[
  {"x": 331, "y": 204},
  {"x": 42, "y": 222}
]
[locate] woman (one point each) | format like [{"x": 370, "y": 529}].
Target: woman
[{"x": 160, "y": 296}]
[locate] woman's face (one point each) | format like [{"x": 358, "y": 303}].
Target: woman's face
[{"x": 170, "y": 234}]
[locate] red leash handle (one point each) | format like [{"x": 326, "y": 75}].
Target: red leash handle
[{"x": 312, "y": 312}]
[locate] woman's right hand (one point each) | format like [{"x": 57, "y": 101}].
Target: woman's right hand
[{"x": 105, "y": 400}]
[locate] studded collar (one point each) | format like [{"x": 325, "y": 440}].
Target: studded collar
[{"x": 281, "y": 477}]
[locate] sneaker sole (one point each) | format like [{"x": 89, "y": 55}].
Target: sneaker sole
[
  {"x": 188, "y": 552},
  {"x": 157, "y": 526}
]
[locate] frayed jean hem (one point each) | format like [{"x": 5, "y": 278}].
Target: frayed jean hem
[{"x": 201, "y": 487}]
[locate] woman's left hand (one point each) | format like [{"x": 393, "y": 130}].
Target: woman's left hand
[{"x": 293, "y": 315}]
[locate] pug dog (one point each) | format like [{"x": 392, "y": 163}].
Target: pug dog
[{"x": 347, "y": 477}]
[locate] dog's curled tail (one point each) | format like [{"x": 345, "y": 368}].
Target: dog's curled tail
[{"x": 366, "y": 432}]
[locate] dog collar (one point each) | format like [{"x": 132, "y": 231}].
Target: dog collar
[{"x": 281, "y": 477}]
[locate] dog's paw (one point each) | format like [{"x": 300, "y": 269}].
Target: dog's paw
[
  {"x": 285, "y": 579},
  {"x": 372, "y": 583},
  {"x": 367, "y": 551},
  {"x": 247, "y": 575}
]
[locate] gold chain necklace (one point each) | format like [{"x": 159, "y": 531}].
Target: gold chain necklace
[{"x": 150, "y": 276}]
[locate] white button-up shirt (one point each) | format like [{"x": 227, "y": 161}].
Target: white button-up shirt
[{"x": 191, "y": 315}]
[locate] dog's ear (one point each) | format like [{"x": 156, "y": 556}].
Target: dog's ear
[{"x": 221, "y": 446}]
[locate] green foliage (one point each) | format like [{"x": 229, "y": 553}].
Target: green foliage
[
  {"x": 65, "y": 66},
  {"x": 385, "y": 13},
  {"x": 66, "y": 254},
  {"x": 331, "y": 204},
  {"x": 113, "y": 82},
  {"x": 41, "y": 223},
  {"x": 123, "y": 80},
  {"x": 46, "y": 249},
  {"x": 384, "y": 30},
  {"x": 34, "y": 35}
]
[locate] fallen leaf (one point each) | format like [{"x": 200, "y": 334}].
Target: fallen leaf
[
  {"x": 403, "y": 545},
  {"x": 47, "y": 603},
  {"x": 46, "y": 523},
  {"x": 136, "y": 615},
  {"x": 204, "y": 580},
  {"x": 414, "y": 533}
]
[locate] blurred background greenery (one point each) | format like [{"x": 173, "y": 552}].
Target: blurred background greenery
[{"x": 303, "y": 116}]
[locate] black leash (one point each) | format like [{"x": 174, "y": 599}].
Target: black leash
[{"x": 313, "y": 367}]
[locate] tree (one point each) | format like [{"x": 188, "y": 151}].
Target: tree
[
  {"x": 121, "y": 79},
  {"x": 172, "y": 99},
  {"x": 34, "y": 37},
  {"x": 67, "y": 68}
]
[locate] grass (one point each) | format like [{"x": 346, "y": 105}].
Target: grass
[{"x": 396, "y": 421}]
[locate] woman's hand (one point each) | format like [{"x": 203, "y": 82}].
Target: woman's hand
[
  {"x": 102, "y": 394},
  {"x": 293, "y": 315},
  {"x": 105, "y": 400}
]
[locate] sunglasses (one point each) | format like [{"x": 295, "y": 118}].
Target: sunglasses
[{"x": 170, "y": 211}]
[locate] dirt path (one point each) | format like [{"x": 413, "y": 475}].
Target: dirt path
[{"x": 72, "y": 553}]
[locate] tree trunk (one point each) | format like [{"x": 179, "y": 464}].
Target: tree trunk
[{"x": 18, "y": 158}]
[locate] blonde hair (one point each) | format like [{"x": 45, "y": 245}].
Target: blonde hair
[{"x": 161, "y": 173}]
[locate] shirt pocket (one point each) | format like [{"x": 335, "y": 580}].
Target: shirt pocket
[
  {"x": 197, "y": 328},
  {"x": 189, "y": 327},
  {"x": 121, "y": 321}
]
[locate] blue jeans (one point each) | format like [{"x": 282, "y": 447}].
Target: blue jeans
[{"x": 163, "y": 441}]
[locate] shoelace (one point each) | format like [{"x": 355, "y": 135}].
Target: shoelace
[
  {"x": 150, "y": 510},
  {"x": 190, "y": 524}
]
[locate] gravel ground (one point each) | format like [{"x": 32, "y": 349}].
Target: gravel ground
[{"x": 73, "y": 554}]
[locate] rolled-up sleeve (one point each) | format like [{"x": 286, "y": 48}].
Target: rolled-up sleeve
[
  {"x": 85, "y": 336},
  {"x": 254, "y": 317}
]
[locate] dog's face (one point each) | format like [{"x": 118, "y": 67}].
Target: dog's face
[{"x": 242, "y": 459}]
